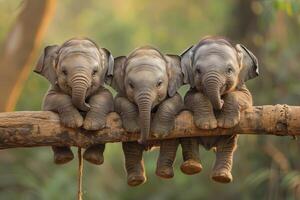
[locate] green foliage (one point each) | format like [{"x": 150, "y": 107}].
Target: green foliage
[{"x": 171, "y": 26}]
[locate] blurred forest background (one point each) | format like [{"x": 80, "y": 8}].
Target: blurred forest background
[{"x": 265, "y": 167}]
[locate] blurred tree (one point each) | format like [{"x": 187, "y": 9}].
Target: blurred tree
[{"x": 19, "y": 47}]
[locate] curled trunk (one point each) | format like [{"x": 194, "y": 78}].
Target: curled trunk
[
  {"x": 213, "y": 82},
  {"x": 79, "y": 89}
]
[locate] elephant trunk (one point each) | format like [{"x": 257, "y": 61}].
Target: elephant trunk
[
  {"x": 213, "y": 84},
  {"x": 80, "y": 85},
  {"x": 144, "y": 102}
]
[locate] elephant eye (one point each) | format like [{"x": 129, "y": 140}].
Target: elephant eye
[
  {"x": 229, "y": 70},
  {"x": 159, "y": 83},
  {"x": 64, "y": 71},
  {"x": 95, "y": 71},
  {"x": 198, "y": 71},
  {"x": 131, "y": 85}
]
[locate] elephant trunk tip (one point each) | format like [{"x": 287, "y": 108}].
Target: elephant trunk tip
[
  {"x": 219, "y": 105},
  {"x": 82, "y": 106}
]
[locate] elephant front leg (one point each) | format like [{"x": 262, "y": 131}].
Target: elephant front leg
[
  {"x": 202, "y": 109},
  {"x": 224, "y": 158},
  {"x": 101, "y": 104},
  {"x": 69, "y": 117},
  {"x": 134, "y": 163},
  {"x": 164, "y": 118},
  {"x": 167, "y": 155},
  {"x": 230, "y": 113},
  {"x": 190, "y": 154},
  {"x": 128, "y": 113}
]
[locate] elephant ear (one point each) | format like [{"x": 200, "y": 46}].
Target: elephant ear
[
  {"x": 248, "y": 64},
  {"x": 109, "y": 61},
  {"x": 46, "y": 63},
  {"x": 118, "y": 74},
  {"x": 187, "y": 67},
  {"x": 175, "y": 74}
]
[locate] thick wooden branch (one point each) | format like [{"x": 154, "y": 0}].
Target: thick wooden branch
[{"x": 31, "y": 129}]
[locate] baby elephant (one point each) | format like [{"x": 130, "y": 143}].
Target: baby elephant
[
  {"x": 147, "y": 81},
  {"x": 217, "y": 73},
  {"x": 77, "y": 71}
]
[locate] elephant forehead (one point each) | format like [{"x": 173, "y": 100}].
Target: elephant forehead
[
  {"x": 75, "y": 59},
  {"x": 151, "y": 62},
  {"x": 221, "y": 50},
  {"x": 79, "y": 50}
]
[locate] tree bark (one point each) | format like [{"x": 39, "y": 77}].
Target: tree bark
[
  {"x": 32, "y": 129},
  {"x": 18, "y": 49}
]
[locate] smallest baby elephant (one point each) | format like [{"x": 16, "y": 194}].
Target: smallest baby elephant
[{"x": 77, "y": 71}]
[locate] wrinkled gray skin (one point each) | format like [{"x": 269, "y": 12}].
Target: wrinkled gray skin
[
  {"x": 147, "y": 81},
  {"x": 77, "y": 71},
  {"x": 217, "y": 72}
]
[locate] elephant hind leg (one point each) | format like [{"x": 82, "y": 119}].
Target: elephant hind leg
[
  {"x": 167, "y": 155},
  {"x": 94, "y": 154},
  {"x": 134, "y": 163},
  {"x": 224, "y": 158},
  {"x": 62, "y": 155},
  {"x": 190, "y": 154}
]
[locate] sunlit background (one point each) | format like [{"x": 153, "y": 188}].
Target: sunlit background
[{"x": 265, "y": 167}]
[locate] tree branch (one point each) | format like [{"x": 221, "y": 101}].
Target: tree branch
[{"x": 31, "y": 129}]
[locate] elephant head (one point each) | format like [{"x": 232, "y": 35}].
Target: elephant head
[
  {"x": 146, "y": 77},
  {"x": 215, "y": 67},
  {"x": 77, "y": 68}
]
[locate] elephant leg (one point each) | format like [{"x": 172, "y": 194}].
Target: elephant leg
[
  {"x": 69, "y": 117},
  {"x": 129, "y": 114},
  {"x": 134, "y": 163},
  {"x": 167, "y": 155},
  {"x": 62, "y": 155},
  {"x": 234, "y": 102},
  {"x": 101, "y": 104},
  {"x": 202, "y": 109},
  {"x": 190, "y": 154},
  {"x": 94, "y": 154},
  {"x": 230, "y": 113},
  {"x": 164, "y": 118},
  {"x": 224, "y": 158}
]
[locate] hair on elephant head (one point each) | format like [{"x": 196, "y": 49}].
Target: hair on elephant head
[
  {"x": 147, "y": 77},
  {"x": 215, "y": 67},
  {"x": 77, "y": 67}
]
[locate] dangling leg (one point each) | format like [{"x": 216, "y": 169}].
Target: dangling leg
[
  {"x": 224, "y": 158},
  {"x": 94, "y": 154},
  {"x": 134, "y": 163},
  {"x": 190, "y": 154},
  {"x": 167, "y": 155},
  {"x": 62, "y": 155}
]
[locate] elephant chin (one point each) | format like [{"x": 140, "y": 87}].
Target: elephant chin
[{"x": 213, "y": 84}]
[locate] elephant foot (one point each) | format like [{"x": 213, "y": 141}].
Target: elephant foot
[
  {"x": 160, "y": 130},
  {"x": 63, "y": 156},
  {"x": 165, "y": 172},
  {"x": 191, "y": 167},
  {"x": 93, "y": 124},
  {"x": 228, "y": 120},
  {"x": 94, "y": 156},
  {"x": 205, "y": 122},
  {"x": 71, "y": 119},
  {"x": 135, "y": 179},
  {"x": 222, "y": 176},
  {"x": 131, "y": 125}
]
